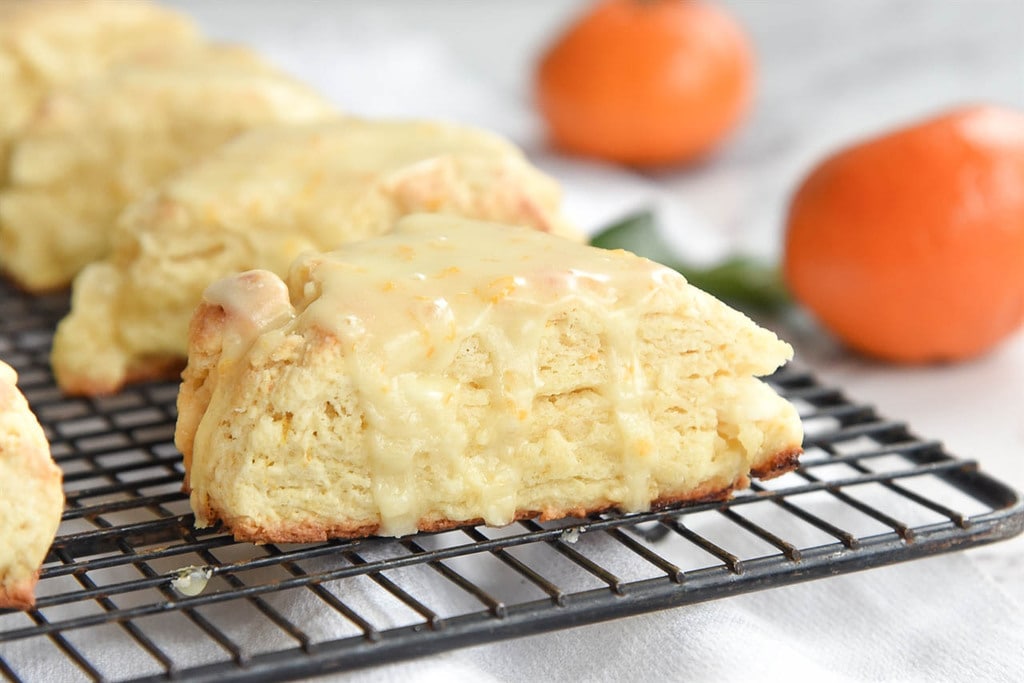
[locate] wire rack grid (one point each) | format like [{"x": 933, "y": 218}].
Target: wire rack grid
[{"x": 111, "y": 604}]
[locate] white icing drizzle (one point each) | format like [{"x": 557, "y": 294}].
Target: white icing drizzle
[
  {"x": 255, "y": 301},
  {"x": 403, "y": 304}
]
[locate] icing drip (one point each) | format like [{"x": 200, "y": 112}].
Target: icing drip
[{"x": 401, "y": 306}]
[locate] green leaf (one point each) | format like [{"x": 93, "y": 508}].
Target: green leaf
[
  {"x": 637, "y": 233},
  {"x": 741, "y": 281}
]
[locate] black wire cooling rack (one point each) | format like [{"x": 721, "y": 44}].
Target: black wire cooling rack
[{"x": 868, "y": 493}]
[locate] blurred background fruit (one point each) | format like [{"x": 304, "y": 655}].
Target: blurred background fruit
[
  {"x": 645, "y": 82},
  {"x": 910, "y": 247}
]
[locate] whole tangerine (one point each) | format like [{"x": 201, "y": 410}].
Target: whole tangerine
[
  {"x": 645, "y": 82},
  {"x": 909, "y": 247}
]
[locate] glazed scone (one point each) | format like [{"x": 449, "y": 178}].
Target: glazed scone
[
  {"x": 257, "y": 203},
  {"x": 457, "y": 371},
  {"x": 31, "y": 497},
  {"x": 49, "y": 43},
  {"x": 94, "y": 147}
]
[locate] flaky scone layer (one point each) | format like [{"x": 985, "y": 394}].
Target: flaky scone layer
[
  {"x": 95, "y": 146},
  {"x": 457, "y": 371},
  {"x": 257, "y": 203},
  {"x": 31, "y": 497}
]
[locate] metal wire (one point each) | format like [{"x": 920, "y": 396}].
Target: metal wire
[{"x": 868, "y": 493}]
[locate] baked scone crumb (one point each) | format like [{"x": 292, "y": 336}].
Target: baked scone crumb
[
  {"x": 457, "y": 371},
  {"x": 45, "y": 44},
  {"x": 261, "y": 200},
  {"x": 94, "y": 146},
  {"x": 31, "y": 497}
]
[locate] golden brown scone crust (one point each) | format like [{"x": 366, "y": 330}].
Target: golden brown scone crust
[
  {"x": 375, "y": 400},
  {"x": 251, "y": 531},
  {"x": 261, "y": 200},
  {"x": 31, "y": 497}
]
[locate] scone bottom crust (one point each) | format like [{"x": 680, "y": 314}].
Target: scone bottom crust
[
  {"x": 778, "y": 464},
  {"x": 149, "y": 369},
  {"x": 19, "y": 594},
  {"x": 249, "y": 530},
  {"x": 257, "y": 344}
]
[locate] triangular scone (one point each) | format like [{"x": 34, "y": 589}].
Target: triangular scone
[
  {"x": 50, "y": 43},
  {"x": 95, "y": 146},
  {"x": 261, "y": 200},
  {"x": 457, "y": 371},
  {"x": 31, "y": 497}
]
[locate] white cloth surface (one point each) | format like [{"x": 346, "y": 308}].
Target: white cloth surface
[
  {"x": 899, "y": 623},
  {"x": 935, "y": 619}
]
